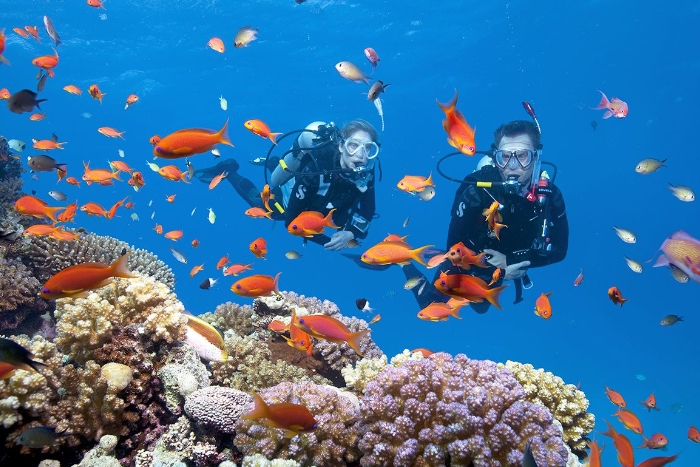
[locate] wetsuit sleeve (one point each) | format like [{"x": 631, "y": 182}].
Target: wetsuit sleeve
[
  {"x": 361, "y": 217},
  {"x": 559, "y": 234}
]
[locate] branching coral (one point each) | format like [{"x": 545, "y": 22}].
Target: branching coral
[
  {"x": 18, "y": 292},
  {"x": 358, "y": 376},
  {"x": 440, "y": 410},
  {"x": 567, "y": 404},
  {"x": 239, "y": 318},
  {"x": 50, "y": 256},
  {"x": 85, "y": 324},
  {"x": 332, "y": 443}
]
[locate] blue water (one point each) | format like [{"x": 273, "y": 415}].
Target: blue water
[{"x": 496, "y": 54}]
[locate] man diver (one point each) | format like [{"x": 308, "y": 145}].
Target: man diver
[
  {"x": 326, "y": 168},
  {"x": 531, "y": 206}
]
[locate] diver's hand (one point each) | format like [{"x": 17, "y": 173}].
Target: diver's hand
[
  {"x": 497, "y": 258},
  {"x": 339, "y": 240},
  {"x": 516, "y": 271}
]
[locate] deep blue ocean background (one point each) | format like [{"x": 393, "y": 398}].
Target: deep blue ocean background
[{"x": 556, "y": 55}]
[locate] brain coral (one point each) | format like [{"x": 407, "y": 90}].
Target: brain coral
[
  {"x": 452, "y": 411},
  {"x": 332, "y": 443},
  {"x": 567, "y": 403}
]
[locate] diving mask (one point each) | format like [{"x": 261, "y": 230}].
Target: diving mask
[
  {"x": 355, "y": 145},
  {"x": 521, "y": 157}
]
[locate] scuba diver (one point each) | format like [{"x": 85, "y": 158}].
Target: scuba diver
[
  {"x": 531, "y": 206},
  {"x": 326, "y": 168}
]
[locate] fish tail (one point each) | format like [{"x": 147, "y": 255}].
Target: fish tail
[
  {"x": 273, "y": 137},
  {"x": 260, "y": 410},
  {"x": 62, "y": 167},
  {"x": 222, "y": 135},
  {"x": 50, "y": 212},
  {"x": 604, "y": 102},
  {"x": 34, "y": 364},
  {"x": 450, "y": 106},
  {"x": 354, "y": 339},
  {"x": 610, "y": 431},
  {"x": 328, "y": 220},
  {"x": 276, "y": 284},
  {"x": 429, "y": 180},
  {"x": 120, "y": 267},
  {"x": 416, "y": 254},
  {"x": 5, "y": 61},
  {"x": 493, "y": 295},
  {"x": 184, "y": 176},
  {"x": 115, "y": 175}
]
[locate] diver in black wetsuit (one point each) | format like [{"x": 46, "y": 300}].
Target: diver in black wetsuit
[
  {"x": 326, "y": 168},
  {"x": 533, "y": 209}
]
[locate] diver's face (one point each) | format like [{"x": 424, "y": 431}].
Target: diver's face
[
  {"x": 350, "y": 161},
  {"x": 513, "y": 168}
]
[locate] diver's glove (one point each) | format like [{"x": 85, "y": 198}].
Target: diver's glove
[{"x": 512, "y": 271}]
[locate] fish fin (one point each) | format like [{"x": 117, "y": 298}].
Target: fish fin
[
  {"x": 120, "y": 267},
  {"x": 604, "y": 103},
  {"x": 429, "y": 180},
  {"x": 607, "y": 114},
  {"x": 222, "y": 135},
  {"x": 328, "y": 220},
  {"x": 416, "y": 254},
  {"x": 260, "y": 410},
  {"x": 662, "y": 260},
  {"x": 276, "y": 283},
  {"x": 354, "y": 339},
  {"x": 273, "y": 137},
  {"x": 492, "y": 295},
  {"x": 450, "y": 106}
]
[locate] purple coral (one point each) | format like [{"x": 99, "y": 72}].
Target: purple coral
[{"x": 453, "y": 410}]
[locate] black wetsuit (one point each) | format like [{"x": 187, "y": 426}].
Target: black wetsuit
[
  {"x": 321, "y": 192},
  {"x": 468, "y": 225}
]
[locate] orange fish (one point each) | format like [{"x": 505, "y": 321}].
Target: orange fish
[
  {"x": 19, "y": 31},
  {"x": 650, "y": 402},
  {"x": 73, "y": 181},
  {"x": 33, "y": 31},
  {"x": 463, "y": 257},
  {"x": 236, "y": 269},
  {"x": 131, "y": 99},
  {"x": 616, "y": 296},
  {"x": 216, "y": 44},
  {"x": 261, "y": 129},
  {"x": 111, "y": 132},
  {"x": 310, "y": 223},
  {"x": 579, "y": 279},
  {"x": 4, "y": 94},
  {"x": 543, "y": 308},
  {"x": 625, "y": 451},
  {"x": 155, "y": 139},
  {"x": 470, "y": 287},
  {"x": 375, "y": 319},
  {"x": 96, "y": 4},
  {"x": 493, "y": 217},
  {"x": 93, "y": 209},
  {"x": 173, "y": 173},
  {"x": 72, "y": 89},
  {"x": 331, "y": 329},
  {"x": 76, "y": 281},
  {"x": 258, "y": 285},
  {"x": 32, "y": 206},
  {"x": 658, "y": 461},
  {"x": 61, "y": 235},
  {"x": 629, "y": 419},
  {"x": 258, "y": 247},
  {"x": 298, "y": 339},
  {"x": 292, "y": 418},
  {"x": 437, "y": 260},
  {"x": 158, "y": 228},
  {"x": 594, "y": 454},
  {"x": 195, "y": 243},
  {"x": 47, "y": 62},
  {"x": 173, "y": 235},
  {"x": 694, "y": 434},
  {"x": 113, "y": 210},
  {"x": 137, "y": 180},
  {"x": 196, "y": 269},
  {"x": 39, "y": 230},
  {"x": 495, "y": 277},
  {"x": 69, "y": 213},
  {"x": 223, "y": 261},
  {"x": 459, "y": 134},
  {"x": 95, "y": 92},
  {"x": 278, "y": 326},
  {"x": 393, "y": 253},
  {"x": 266, "y": 196},
  {"x": 47, "y": 144},
  {"x": 217, "y": 179},
  {"x": 615, "y": 398},
  {"x": 171, "y": 198},
  {"x": 415, "y": 183},
  {"x": 100, "y": 175},
  {"x": 120, "y": 166},
  {"x": 37, "y": 117},
  {"x": 397, "y": 238},
  {"x": 372, "y": 56},
  {"x": 438, "y": 311},
  {"x": 190, "y": 141},
  {"x": 424, "y": 352},
  {"x": 257, "y": 213},
  {"x": 657, "y": 441},
  {"x": 614, "y": 108},
  {"x": 60, "y": 174}
]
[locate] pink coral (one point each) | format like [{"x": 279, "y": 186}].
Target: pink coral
[{"x": 443, "y": 410}]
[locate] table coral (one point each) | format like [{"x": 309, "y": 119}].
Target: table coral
[
  {"x": 332, "y": 443},
  {"x": 86, "y": 324},
  {"x": 567, "y": 403},
  {"x": 441, "y": 409}
]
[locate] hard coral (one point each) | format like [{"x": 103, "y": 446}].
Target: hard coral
[
  {"x": 85, "y": 324},
  {"x": 567, "y": 403},
  {"x": 18, "y": 292},
  {"x": 217, "y": 408},
  {"x": 332, "y": 443},
  {"x": 443, "y": 410},
  {"x": 230, "y": 315},
  {"x": 51, "y": 256}
]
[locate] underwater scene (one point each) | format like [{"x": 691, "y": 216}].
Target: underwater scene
[{"x": 349, "y": 233}]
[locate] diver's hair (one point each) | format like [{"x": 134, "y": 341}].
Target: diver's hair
[
  {"x": 515, "y": 128},
  {"x": 359, "y": 125}
]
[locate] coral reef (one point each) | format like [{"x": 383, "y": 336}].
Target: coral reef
[
  {"x": 217, "y": 408},
  {"x": 358, "y": 376},
  {"x": 86, "y": 324},
  {"x": 567, "y": 404},
  {"x": 334, "y": 440},
  {"x": 239, "y": 318},
  {"x": 18, "y": 293},
  {"x": 441, "y": 409},
  {"x": 50, "y": 256}
]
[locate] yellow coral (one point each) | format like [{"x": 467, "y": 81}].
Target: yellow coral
[
  {"x": 359, "y": 376},
  {"x": 567, "y": 403}
]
